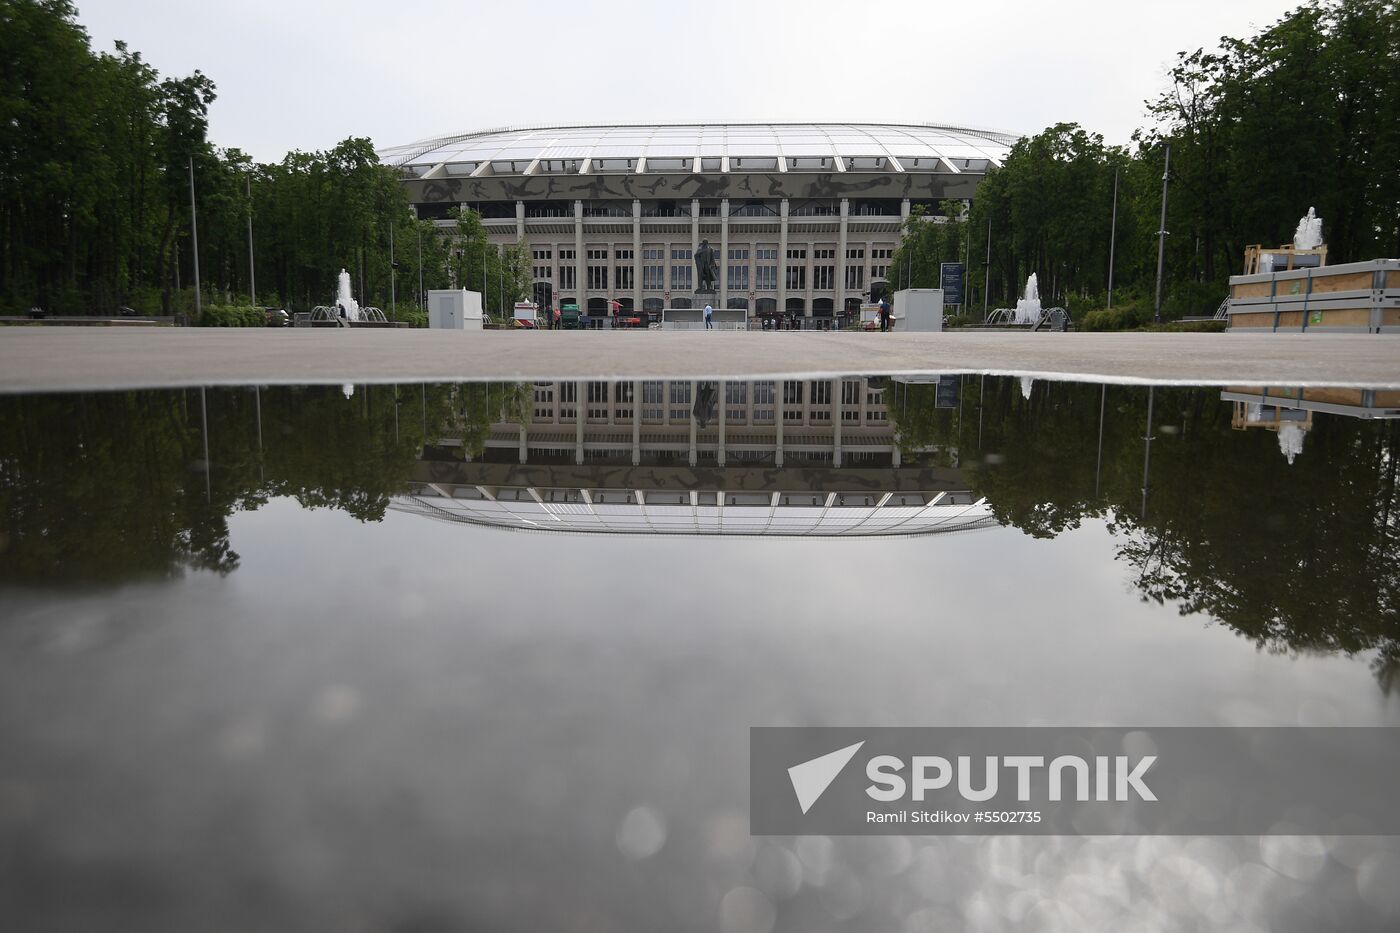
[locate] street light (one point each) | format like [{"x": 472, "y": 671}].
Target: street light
[
  {"x": 1162, "y": 237},
  {"x": 194, "y": 236},
  {"x": 252, "y": 279},
  {"x": 1112, "y": 236},
  {"x": 418, "y": 225}
]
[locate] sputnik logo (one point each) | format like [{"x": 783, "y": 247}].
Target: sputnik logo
[{"x": 810, "y": 779}]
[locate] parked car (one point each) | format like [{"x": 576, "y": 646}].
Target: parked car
[{"x": 277, "y": 317}]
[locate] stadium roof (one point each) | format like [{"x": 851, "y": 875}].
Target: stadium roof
[
  {"x": 676, "y": 512},
  {"x": 641, "y": 149}
]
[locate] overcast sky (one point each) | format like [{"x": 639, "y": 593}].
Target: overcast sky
[{"x": 304, "y": 74}]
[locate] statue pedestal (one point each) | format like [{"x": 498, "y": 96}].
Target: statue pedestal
[{"x": 731, "y": 316}]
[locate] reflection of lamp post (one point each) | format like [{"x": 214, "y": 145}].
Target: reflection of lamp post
[
  {"x": 204, "y": 433},
  {"x": 1098, "y": 466},
  {"x": 1147, "y": 451}
]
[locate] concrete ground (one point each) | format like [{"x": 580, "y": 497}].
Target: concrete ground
[{"x": 44, "y": 359}]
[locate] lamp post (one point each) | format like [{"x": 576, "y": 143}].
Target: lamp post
[
  {"x": 252, "y": 279},
  {"x": 1112, "y": 236},
  {"x": 1162, "y": 236},
  {"x": 987, "y": 270},
  {"x": 417, "y": 225},
  {"x": 194, "y": 244}
]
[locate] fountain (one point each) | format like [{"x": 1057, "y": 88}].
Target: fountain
[
  {"x": 349, "y": 308},
  {"x": 1028, "y": 308},
  {"x": 346, "y": 312},
  {"x": 1290, "y": 439},
  {"x": 1309, "y": 233}
]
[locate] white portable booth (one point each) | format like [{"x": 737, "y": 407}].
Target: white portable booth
[{"x": 454, "y": 309}]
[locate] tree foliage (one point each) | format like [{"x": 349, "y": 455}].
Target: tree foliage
[
  {"x": 501, "y": 275},
  {"x": 96, "y": 152},
  {"x": 1303, "y": 114}
]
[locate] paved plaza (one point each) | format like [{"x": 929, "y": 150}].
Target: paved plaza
[{"x": 35, "y": 359}]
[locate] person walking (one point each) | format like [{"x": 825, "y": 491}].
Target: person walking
[
  {"x": 884, "y": 313},
  {"x": 709, "y": 318}
]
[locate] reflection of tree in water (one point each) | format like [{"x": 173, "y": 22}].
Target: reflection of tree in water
[
  {"x": 479, "y": 405},
  {"x": 1299, "y": 557},
  {"x": 111, "y": 487},
  {"x": 103, "y": 488}
]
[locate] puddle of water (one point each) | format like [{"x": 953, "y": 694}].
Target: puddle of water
[{"x": 486, "y": 655}]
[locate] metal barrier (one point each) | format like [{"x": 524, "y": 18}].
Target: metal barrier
[{"x": 700, "y": 325}]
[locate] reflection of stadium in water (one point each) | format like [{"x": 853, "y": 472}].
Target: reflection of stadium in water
[{"x": 770, "y": 457}]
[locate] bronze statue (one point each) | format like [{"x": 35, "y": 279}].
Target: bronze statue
[{"x": 706, "y": 267}]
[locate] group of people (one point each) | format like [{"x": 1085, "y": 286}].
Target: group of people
[{"x": 886, "y": 316}]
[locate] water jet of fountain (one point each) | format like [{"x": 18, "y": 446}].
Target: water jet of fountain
[
  {"x": 344, "y": 300},
  {"x": 1028, "y": 308},
  {"x": 1309, "y": 232},
  {"x": 1290, "y": 440}
]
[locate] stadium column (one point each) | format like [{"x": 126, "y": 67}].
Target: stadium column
[
  {"x": 903, "y": 211},
  {"x": 782, "y": 267},
  {"x": 810, "y": 278},
  {"x": 840, "y": 282},
  {"x": 519, "y": 221},
  {"x": 721, "y": 390},
  {"x": 694, "y": 242},
  {"x": 723, "y": 259},
  {"x": 580, "y": 410},
  {"x": 778, "y": 421},
  {"x": 636, "y": 257},
  {"x": 694, "y": 397},
  {"x": 579, "y": 273},
  {"x": 636, "y": 423},
  {"x": 836, "y": 388}
]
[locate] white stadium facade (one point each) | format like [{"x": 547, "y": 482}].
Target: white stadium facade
[{"x": 804, "y": 216}]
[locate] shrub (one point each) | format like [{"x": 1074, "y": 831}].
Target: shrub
[
  {"x": 1188, "y": 327},
  {"x": 1126, "y": 316},
  {"x": 232, "y": 316},
  {"x": 414, "y": 317},
  {"x": 1193, "y": 299}
]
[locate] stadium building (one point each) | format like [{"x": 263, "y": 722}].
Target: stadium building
[{"x": 805, "y": 216}]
